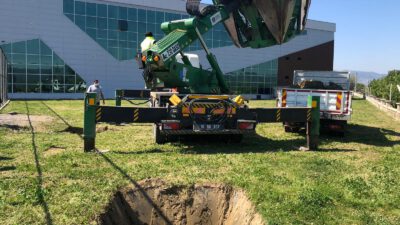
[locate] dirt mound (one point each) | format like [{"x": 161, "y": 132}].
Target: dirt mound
[
  {"x": 152, "y": 202},
  {"x": 17, "y": 121}
]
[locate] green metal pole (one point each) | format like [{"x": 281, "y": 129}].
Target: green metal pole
[
  {"x": 89, "y": 123},
  {"x": 118, "y": 97},
  {"x": 313, "y": 125}
]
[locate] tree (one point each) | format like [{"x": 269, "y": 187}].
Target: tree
[
  {"x": 381, "y": 87},
  {"x": 360, "y": 88}
]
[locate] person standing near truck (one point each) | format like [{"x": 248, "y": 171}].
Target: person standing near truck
[{"x": 95, "y": 87}]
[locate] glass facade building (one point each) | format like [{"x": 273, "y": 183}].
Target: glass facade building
[
  {"x": 255, "y": 79},
  {"x": 100, "y": 38},
  {"x": 120, "y": 30},
  {"x": 35, "y": 68}
]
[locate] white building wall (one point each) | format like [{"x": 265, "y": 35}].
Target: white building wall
[{"x": 44, "y": 19}]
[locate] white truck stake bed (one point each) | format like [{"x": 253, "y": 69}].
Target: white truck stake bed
[
  {"x": 335, "y": 104},
  {"x": 335, "y": 95}
]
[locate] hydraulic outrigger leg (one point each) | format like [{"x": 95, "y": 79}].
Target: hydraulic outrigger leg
[{"x": 165, "y": 115}]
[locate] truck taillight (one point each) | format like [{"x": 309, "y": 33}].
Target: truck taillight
[
  {"x": 339, "y": 100},
  {"x": 284, "y": 97},
  {"x": 171, "y": 125},
  {"x": 246, "y": 124}
]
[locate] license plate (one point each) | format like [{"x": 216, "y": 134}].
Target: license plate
[{"x": 207, "y": 127}]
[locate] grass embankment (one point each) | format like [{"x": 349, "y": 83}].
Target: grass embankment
[{"x": 351, "y": 180}]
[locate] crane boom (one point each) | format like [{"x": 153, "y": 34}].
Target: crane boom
[{"x": 254, "y": 24}]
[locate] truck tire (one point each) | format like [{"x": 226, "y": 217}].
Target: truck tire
[
  {"x": 292, "y": 128},
  {"x": 236, "y": 138},
  {"x": 288, "y": 129},
  {"x": 158, "y": 137}
]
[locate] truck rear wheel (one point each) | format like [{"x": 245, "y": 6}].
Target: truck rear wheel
[
  {"x": 158, "y": 137},
  {"x": 236, "y": 138},
  {"x": 292, "y": 128}
]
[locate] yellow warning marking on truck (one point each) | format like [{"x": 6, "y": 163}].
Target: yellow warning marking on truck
[
  {"x": 98, "y": 114},
  {"x": 278, "y": 115},
  {"x": 309, "y": 115},
  {"x": 135, "y": 115}
]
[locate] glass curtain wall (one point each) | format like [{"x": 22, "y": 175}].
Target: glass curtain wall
[
  {"x": 256, "y": 79},
  {"x": 35, "y": 68},
  {"x": 120, "y": 29}
]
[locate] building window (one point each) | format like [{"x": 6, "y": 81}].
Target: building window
[
  {"x": 108, "y": 24},
  {"x": 256, "y": 79},
  {"x": 35, "y": 68},
  {"x": 122, "y": 25}
]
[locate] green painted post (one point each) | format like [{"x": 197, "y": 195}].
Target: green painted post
[
  {"x": 313, "y": 126},
  {"x": 118, "y": 97},
  {"x": 89, "y": 123}
]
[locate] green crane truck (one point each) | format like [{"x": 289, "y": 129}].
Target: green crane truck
[
  {"x": 254, "y": 24},
  {"x": 187, "y": 99}
]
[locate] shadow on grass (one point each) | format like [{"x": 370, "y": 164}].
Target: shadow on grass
[
  {"x": 374, "y": 136},
  {"x": 69, "y": 129},
  {"x": 138, "y": 152},
  {"x": 7, "y": 168},
  {"x": 39, "y": 187},
  {"x": 73, "y": 130},
  {"x": 358, "y": 99},
  {"x": 140, "y": 188},
  {"x": 14, "y": 127},
  {"x": 4, "y": 158},
  {"x": 252, "y": 143}
]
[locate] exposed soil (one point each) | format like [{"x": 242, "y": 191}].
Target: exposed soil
[
  {"x": 53, "y": 150},
  {"x": 152, "y": 202},
  {"x": 101, "y": 129},
  {"x": 15, "y": 121}
]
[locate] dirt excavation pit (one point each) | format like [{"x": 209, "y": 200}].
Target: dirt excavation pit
[{"x": 152, "y": 202}]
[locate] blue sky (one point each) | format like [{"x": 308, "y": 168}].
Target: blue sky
[{"x": 368, "y": 32}]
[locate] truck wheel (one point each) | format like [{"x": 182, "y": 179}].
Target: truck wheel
[
  {"x": 290, "y": 129},
  {"x": 342, "y": 130},
  {"x": 158, "y": 137},
  {"x": 236, "y": 138}
]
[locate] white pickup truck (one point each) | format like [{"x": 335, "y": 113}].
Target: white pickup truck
[{"x": 334, "y": 90}]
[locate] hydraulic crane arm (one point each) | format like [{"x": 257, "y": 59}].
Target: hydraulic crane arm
[{"x": 250, "y": 23}]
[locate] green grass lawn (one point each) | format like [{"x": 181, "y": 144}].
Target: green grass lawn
[{"x": 350, "y": 180}]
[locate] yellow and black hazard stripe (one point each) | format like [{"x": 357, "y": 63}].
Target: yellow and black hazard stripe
[
  {"x": 98, "y": 114},
  {"x": 204, "y": 105},
  {"x": 135, "y": 115},
  {"x": 278, "y": 115},
  {"x": 308, "y": 115}
]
